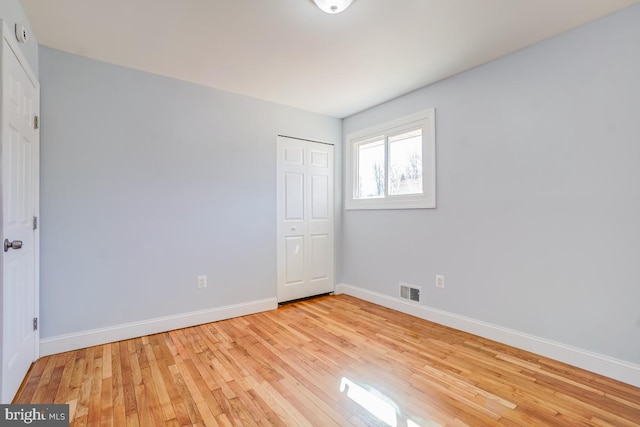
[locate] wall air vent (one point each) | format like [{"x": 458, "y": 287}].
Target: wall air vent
[{"x": 410, "y": 292}]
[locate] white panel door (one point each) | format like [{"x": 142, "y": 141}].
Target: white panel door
[
  {"x": 305, "y": 218},
  {"x": 20, "y": 160}
]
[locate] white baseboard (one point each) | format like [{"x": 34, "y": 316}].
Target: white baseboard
[
  {"x": 68, "y": 342},
  {"x": 604, "y": 365}
]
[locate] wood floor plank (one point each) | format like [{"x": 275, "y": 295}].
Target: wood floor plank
[{"x": 285, "y": 367}]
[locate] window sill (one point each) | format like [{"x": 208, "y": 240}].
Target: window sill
[{"x": 413, "y": 203}]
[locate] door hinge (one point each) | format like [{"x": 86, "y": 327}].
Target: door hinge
[
  {"x": 35, "y": 323},
  {"x": 35, "y": 222},
  {"x": 36, "y": 124}
]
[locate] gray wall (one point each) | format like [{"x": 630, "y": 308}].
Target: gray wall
[
  {"x": 146, "y": 183},
  {"x": 11, "y": 12},
  {"x": 538, "y": 221}
]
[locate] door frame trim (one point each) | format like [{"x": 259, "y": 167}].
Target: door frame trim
[{"x": 307, "y": 140}]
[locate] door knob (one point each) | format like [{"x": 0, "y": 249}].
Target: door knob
[{"x": 16, "y": 244}]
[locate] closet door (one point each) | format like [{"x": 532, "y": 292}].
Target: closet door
[{"x": 305, "y": 218}]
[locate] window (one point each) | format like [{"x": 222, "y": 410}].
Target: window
[{"x": 392, "y": 166}]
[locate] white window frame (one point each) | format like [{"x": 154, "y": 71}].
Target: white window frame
[{"x": 424, "y": 120}]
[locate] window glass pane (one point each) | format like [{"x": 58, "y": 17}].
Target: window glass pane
[
  {"x": 405, "y": 163},
  {"x": 371, "y": 175}
]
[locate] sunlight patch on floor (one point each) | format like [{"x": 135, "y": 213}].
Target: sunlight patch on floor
[{"x": 377, "y": 404}]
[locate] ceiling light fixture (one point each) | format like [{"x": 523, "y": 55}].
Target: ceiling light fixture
[{"x": 333, "y": 6}]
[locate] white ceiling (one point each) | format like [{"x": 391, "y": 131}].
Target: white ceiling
[{"x": 290, "y": 52}]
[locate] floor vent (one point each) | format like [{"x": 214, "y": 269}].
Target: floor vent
[{"x": 410, "y": 292}]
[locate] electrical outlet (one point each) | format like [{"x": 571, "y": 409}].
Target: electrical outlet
[
  {"x": 439, "y": 281},
  {"x": 202, "y": 282}
]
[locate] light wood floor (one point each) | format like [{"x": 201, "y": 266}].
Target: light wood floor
[{"x": 285, "y": 367}]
